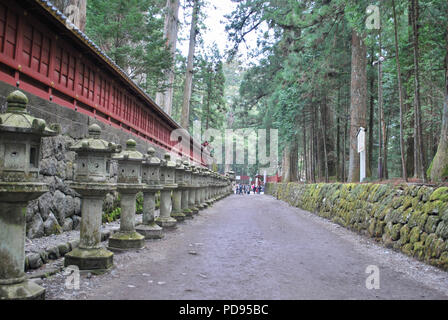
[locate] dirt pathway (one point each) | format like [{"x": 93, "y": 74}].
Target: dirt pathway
[{"x": 255, "y": 247}]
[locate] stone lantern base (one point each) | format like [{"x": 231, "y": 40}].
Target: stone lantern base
[
  {"x": 151, "y": 231},
  {"x": 122, "y": 241},
  {"x": 179, "y": 216},
  {"x": 26, "y": 290},
  {"x": 188, "y": 213},
  {"x": 167, "y": 223},
  {"x": 90, "y": 259}
]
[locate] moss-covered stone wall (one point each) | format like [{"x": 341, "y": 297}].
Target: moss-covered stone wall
[{"x": 411, "y": 219}]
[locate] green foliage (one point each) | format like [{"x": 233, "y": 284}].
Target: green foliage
[
  {"x": 111, "y": 216},
  {"x": 303, "y": 79},
  {"x": 139, "y": 203},
  {"x": 131, "y": 34}
]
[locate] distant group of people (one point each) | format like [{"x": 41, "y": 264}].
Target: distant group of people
[{"x": 246, "y": 189}]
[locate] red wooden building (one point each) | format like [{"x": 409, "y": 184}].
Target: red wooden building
[{"x": 41, "y": 55}]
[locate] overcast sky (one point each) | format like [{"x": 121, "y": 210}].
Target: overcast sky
[{"x": 215, "y": 22}]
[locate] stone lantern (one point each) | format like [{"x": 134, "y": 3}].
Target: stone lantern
[
  {"x": 92, "y": 174},
  {"x": 177, "y": 193},
  {"x": 167, "y": 179},
  {"x": 20, "y": 143},
  {"x": 186, "y": 192},
  {"x": 202, "y": 183},
  {"x": 151, "y": 178},
  {"x": 224, "y": 186},
  {"x": 232, "y": 179},
  {"x": 220, "y": 182},
  {"x": 209, "y": 188},
  {"x": 194, "y": 191},
  {"x": 216, "y": 187},
  {"x": 199, "y": 189},
  {"x": 129, "y": 184},
  {"x": 228, "y": 184}
]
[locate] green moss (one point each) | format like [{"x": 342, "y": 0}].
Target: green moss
[
  {"x": 372, "y": 227},
  {"x": 379, "y": 228},
  {"x": 443, "y": 261},
  {"x": 442, "y": 230},
  {"x": 424, "y": 193},
  {"x": 126, "y": 236},
  {"x": 419, "y": 250},
  {"x": 408, "y": 249},
  {"x": 431, "y": 224},
  {"x": 395, "y": 232},
  {"x": 440, "y": 194},
  {"x": 404, "y": 234},
  {"x": 414, "y": 235},
  {"x": 428, "y": 172}
]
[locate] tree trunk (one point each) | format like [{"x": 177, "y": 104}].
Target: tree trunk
[
  {"x": 324, "y": 135},
  {"x": 417, "y": 114},
  {"x": 75, "y": 10},
  {"x": 358, "y": 104},
  {"x": 305, "y": 153},
  {"x": 319, "y": 163},
  {"x": 286, "y": 165},
  {"x": 294, "y": 160},
  {"x": 344, "y": 144},
  {"x": 312, "y": 154},
  {"x": 338, "y": 143},
  {"x": 439, "y": 167},
  {"x": 185, "y": 120},
  {"x": 400, "y": 95},
  {"x": 165, "y": 99},
  {"x": 371, "y": 122}
]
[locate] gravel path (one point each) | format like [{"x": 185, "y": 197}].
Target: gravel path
[{"x": 255, "y": 247}]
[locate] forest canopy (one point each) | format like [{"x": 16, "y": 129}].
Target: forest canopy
[{"x": 320, "y": 71}]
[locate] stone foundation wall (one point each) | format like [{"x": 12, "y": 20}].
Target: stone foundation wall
[
  {"x": 410, "y": 219},
  {"x": 60, "y": 209}
]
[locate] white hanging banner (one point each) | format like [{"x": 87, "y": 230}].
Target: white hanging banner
[
  {"x": 362, "y": 151},
  {"x": 361, "y": 140}
]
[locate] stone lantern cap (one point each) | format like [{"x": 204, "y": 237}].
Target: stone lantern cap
[
  {"x": 20, "y": 142},
  {"x": 130, "y": 163},
  {"x": 93, "y": 143},
  {"x": 151, "y": 171},
  {"x": 151, "y": 159},
  {"x": 18, "y": 120},
  {"x": 167, "y": 162},
  {"x": 95, "y": 152},
  {"x": 180, "y": 173},
  {"x": 188, "y": 173},
  {"x": 180, "y": 165},
  {"x": 187, "y": 166},
  {"x": 168, "y": 169},
  {"x": 194, "y": 176},
  {"x": 130, "y": 153}
]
